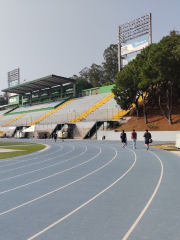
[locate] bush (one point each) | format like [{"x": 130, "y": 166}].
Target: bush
[{"x": 152, "y": 126}]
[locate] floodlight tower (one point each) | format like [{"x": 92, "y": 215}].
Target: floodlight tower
[{"x": 132, "y": 30}]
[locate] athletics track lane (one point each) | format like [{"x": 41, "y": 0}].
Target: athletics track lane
[{"x": 110, "y": 215}]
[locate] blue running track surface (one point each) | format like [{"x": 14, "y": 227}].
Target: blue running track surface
[{"x": 90, "y": 190}]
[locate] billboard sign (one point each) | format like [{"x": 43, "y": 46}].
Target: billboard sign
[
  {"x": 13, "y": 78},
  {"x": 134, "y": 47},
  {"x": 125, "y": 61}
]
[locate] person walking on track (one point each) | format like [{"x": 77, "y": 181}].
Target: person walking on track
[
  {"x": 63, "y": 135},
  {"x": 123, "y": 138},
  {"x": 55, "y": 136},
  {"x": 134, "y": 138},
  {"x": 147, "y": 137},
  {"x": 45, "y": 136}
]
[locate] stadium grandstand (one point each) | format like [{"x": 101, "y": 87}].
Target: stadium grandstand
[{"x": 55, "y": 104}]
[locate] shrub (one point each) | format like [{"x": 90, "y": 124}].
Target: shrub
[{"x": 152, "y": 126}]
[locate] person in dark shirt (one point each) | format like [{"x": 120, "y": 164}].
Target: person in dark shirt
[
  {"x": 52, "y": 136},
  {"x": 55, "y": 136},
  {"x": 147, "y": 137},
  {"x": 123, "y": 138},
  {"x": 45, "y": 136}
]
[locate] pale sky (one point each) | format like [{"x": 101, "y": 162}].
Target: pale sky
[{"x": 61, "y": 37}]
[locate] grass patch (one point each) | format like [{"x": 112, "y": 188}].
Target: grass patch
[
  {"x": 14, "y": 143},
  {"x": 167, "y": 147},
  {"x": 24, "y": 150}
]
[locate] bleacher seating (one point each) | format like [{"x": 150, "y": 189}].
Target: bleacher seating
[
  {"x": 103, "y": 113},
  {"x": 66, "y": 114},
  {"x": 3, "y": 112},
  {"x": 28, "y": 117},
  {"x": 8, "y": 118},
  {"x": 38, "y": 106},
  {"x": 73, "y": 109},
  {"x": 24, "y": 120}
]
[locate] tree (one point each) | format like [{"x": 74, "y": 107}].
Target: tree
[
  {"x": 126, "y": 88},
  {"x": 4, "y": 99},
  {"x": 110, "y": 64},
  {"x": 84, "y": 73},
  {"x": 81, "y": 80},
  {"x": 162, "y": 68},
  {"x": 106, "y": 84},
  {"x": 96, "y": 75},
  {"x": 154, "y": 72},
  {"x": 145, "y": 75}
]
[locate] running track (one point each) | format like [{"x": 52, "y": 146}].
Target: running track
[{"x": 90, "y": 190}]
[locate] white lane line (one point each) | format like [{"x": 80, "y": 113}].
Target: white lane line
[
  {"x": 23, "y": 162},
  {"x": 90, "y": 200},
  {"x": 41, "y": 179},
  {"x": 148, "y": 203},
  {"x": 14, "y": 158},
  {"x": 12, "y": 169},
  {"x": 42, "y": 196},
  {"x": 30, "y": 158},
  {"x": 5, "y": 179}
]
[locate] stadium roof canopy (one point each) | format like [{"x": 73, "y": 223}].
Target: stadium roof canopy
[{"x": 38, "y": 84}]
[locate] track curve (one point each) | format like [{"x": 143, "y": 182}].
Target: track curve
[{"x": 90, "y": 190}]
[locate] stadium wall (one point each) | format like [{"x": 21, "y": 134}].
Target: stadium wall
[{"x": 156, "y": 135}]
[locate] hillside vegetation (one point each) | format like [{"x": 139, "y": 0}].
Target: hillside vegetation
[{"x": 155, "y": 119}]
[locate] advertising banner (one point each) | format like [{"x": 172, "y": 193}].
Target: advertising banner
[
  {"x": 14, "y": 83},
  {"x": 134, "y": 47}
]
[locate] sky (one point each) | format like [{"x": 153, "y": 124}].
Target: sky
[{"x": 61, "y": 37}]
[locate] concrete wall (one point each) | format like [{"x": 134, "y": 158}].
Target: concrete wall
[{"x": 156, "y": 135}]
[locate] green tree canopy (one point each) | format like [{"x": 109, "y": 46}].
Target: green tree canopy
[
  {"x": 110, "y": 64},
  {"x": 154, "y": 72}
]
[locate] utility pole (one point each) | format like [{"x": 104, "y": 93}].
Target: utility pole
[
  {"x": 150, "y": 28},
  {"x": 119, "y": 49}
]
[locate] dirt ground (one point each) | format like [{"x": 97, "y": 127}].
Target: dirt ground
[{"x": 156, "y": 120}]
